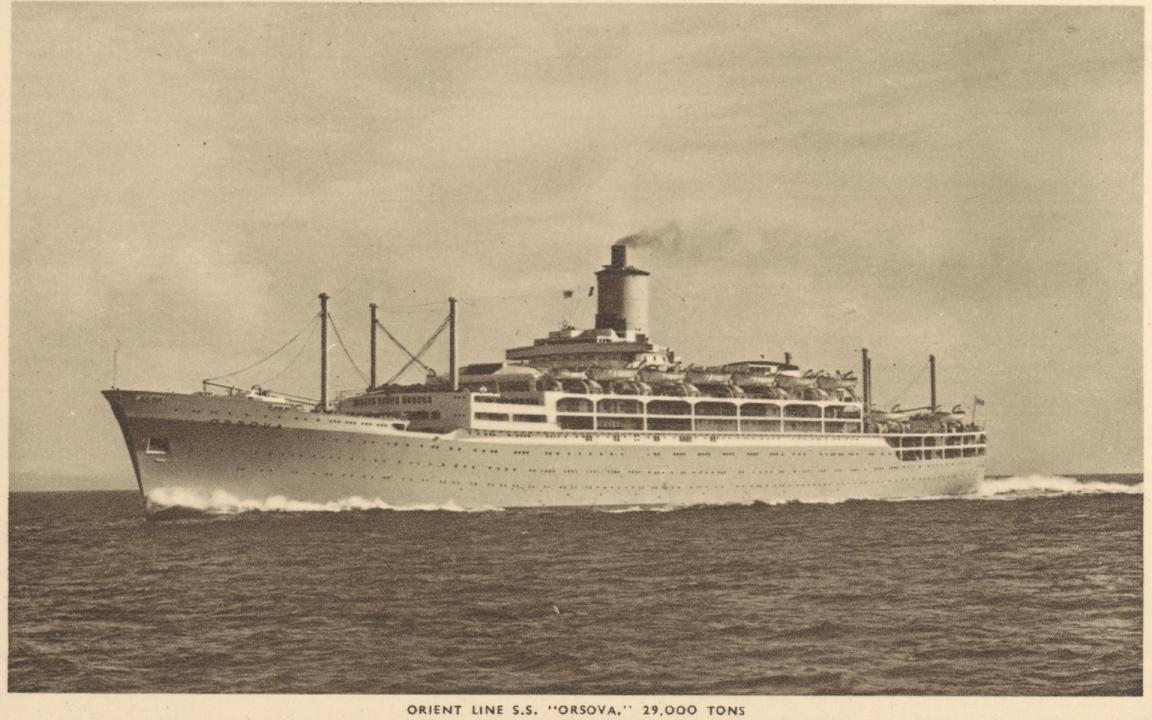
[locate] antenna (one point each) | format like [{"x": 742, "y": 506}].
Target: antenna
[{"x": 114, "y": 352}]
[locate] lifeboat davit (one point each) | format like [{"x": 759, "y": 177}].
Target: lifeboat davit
[
  {"x": 549, "y": 383},
  {"x": 769, "y": 393},
  {"x": 631, "y": 387},
  {"x": 678, "y": 389},
  {"x": 957, "y": 414},
  {"x": 723, "y": 391}
]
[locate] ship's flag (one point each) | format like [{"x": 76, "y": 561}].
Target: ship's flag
[
  {"x": 568, "y": 294},
  {"x": 979, "y": 401}
]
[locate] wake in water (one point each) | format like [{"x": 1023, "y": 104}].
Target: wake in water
[
  {"x": 219, "y": 502},
  {"x": 1008, "y": 488},
  {"x": 1019, "y": 487}
]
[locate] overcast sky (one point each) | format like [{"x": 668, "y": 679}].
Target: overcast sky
[{"x": 915, "y": 180}]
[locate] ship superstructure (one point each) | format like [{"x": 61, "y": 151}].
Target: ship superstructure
[{"x": 598, "y": 416}]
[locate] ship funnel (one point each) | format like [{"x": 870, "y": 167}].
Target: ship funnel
[
  {"x": 619, "y": 256},
  {"x": 622, "y": 295}
]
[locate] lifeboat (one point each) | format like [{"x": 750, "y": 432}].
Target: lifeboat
[
  {"x": 807, "y": 380},
  {"x": 608, "y": 374},
  {"x": 566, "y": 374},
  {"x": 750, "y": 381},
  {"x": 708, "y": 376},
  {"x": 656, "y": 377},
  {"x": 789, "y": 379},
  {"x": 575, "y": 381},
  {"x": 839, "y": 381}
]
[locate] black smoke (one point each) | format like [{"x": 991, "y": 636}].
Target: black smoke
[{"x": 669, "y": 237}]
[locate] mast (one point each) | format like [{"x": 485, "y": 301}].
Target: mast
[
  {"x": 372, "y": 362},
  {"x": 324, "y": 351},
  {"x": 453, "y": 369},
  {"x": 932, "y": 380},
  {"x": 864, "y": 377}
]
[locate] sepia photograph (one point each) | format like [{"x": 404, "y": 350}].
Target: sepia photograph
[{"x": 607, "y": 360}]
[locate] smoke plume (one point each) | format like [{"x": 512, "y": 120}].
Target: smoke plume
[
  {"x": 669, "y": 237},
  {"x": 696, "y": 240}
]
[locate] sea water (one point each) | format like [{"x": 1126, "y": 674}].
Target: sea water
[{"x": 1030, "y": 586}]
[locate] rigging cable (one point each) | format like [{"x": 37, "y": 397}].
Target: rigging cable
[
  {"x": 669, "y": 291},
  {"x": 422, "y": 350},
  {"x": 270, "y": 355},
  {"x": 409, "y": 306},
  {"x": 303, "y": 347},
  {"x": 474, "y": 299},
  {"x": 345, "y": 349},
  {"x": 915, "y": 380},
  {"x": 401, "y": 345}
]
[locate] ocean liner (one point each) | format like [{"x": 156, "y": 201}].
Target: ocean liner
[{"x": 592, "y": 418}]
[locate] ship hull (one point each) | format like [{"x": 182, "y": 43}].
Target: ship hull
[{"x": 204, "y": 446}]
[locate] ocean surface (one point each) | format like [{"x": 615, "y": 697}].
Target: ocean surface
[{"x": 1032, "y": 586}]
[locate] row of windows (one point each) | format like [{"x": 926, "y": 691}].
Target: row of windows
[
  {"x": 940, "y": 454},
  {"x": 162, "y": 446},
  {"x": 665, "y": 486},
  {"x": 666, "y": 424},
  {"x": 311, "y": 417},
  {"x": 707, "y": 408},
  {"x": 516, "y": 417},
  {"x": 910, "y": 441}
]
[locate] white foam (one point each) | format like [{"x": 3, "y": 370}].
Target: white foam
[
  {"x": 645, "y": 508},
  {"x": 1034, "y": 485},
  {"x": 219, "y": 502}
]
